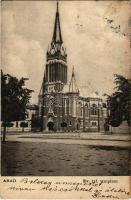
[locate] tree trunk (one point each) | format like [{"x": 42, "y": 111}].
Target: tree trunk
[
  {"x": 23, "y": 129},
  {"x": 4, "y": 132}
]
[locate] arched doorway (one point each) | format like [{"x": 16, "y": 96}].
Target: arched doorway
[{"x": 50, "y": 126}]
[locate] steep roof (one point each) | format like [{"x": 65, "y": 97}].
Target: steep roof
[
  {"x": 73, "y": 86},
  {"x": 57, "y": 36}
]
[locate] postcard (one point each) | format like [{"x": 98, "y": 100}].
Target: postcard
[{"x": 65, "y": 99}]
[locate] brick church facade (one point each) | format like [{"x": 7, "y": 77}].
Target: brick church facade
[{"x": 61, "y": 105}]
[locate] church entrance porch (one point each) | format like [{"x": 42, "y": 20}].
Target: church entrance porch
[
  {"x": 49, "y": 123},
  {"x": 50, "y": 126}
]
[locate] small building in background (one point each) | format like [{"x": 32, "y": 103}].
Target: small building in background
[{"x": 23, "y": 125}]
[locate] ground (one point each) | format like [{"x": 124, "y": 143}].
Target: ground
[{"x": 70, "y": 155}]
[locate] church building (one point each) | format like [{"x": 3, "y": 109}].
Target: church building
[{"x": 61, "y": 105}]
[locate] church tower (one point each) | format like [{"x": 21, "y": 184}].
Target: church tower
[
  {"x": 56, "y": 66},
  {"x": 55, "y": 78}
]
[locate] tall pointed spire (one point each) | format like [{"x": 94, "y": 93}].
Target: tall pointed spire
[{"x": 57, "y": 37}]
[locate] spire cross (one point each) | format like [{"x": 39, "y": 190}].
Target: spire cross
[
  {"x": 73, "y": 71},
  {"x": 57, "y": 5}
]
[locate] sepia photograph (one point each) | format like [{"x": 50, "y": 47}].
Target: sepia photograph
[{"x": 65, "y": 88}]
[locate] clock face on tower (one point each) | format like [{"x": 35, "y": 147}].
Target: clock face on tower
[{"x": 52, "y": 51}]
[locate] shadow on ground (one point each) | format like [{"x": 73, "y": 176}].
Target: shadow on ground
[{"x": 49, "y": 159}]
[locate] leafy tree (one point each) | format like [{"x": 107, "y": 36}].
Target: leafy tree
[
  {"x": 23, "y": 125},
  {"x": 36, "y": 123},
  {"x": 8, "y": 124},
  {"x": 14, "y": 99},
  {"x": 119, "y": 103}
]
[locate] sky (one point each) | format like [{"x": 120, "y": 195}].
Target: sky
[{"x": 95, "y": 34}]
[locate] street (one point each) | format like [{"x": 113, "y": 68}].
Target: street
[{"x": 50, "y": 155}]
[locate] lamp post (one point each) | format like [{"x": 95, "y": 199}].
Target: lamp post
[
  {"x": 83, "y": 118},
  {"x": 107, "y": 124},
  {"x": 98, "y": 118},
  {"x": 89, "y": 113},
  {"x": 6, "y": 85}
]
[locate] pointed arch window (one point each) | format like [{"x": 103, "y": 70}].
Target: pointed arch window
[
  {"x": 65, "y": 105},
  {"x": 86, "y": 110},
  {"x": 70, "y": 107},
  {"x": 94, "y": 109},
  {"x": 79, "y": 109}
]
